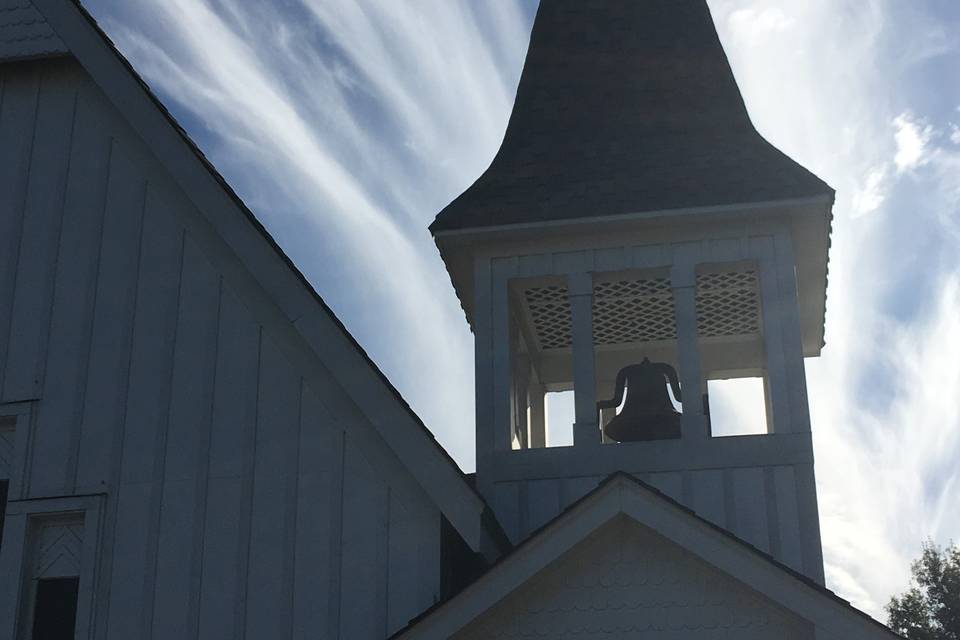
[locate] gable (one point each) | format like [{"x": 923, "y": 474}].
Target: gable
[
  {"x": 625, "y": 580},
  {"x": 243, "y": 484},
  {"x": 317, "y": 339},
  {"x": 622, "y": 496}
]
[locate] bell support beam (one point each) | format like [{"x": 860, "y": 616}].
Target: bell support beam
[
  {"x": 792, "y": 332},
  {"x": 483, "y": 348},
  {"x": 502, "y": 364},
  {"x": 683, "y": 281},
  {"x": 538, "y": 416},
  {"x": 586, "y": 431},
  {"x": 606, "y": 415},
  {"x": 771, "y": 304}
]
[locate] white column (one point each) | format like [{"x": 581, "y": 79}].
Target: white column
[
  {"x": 773, "y": 336},
  {"x": 683, "y": 280},
  {"x": 483, "y": 360},
  {"x": 502, "y": 361},
  {"x": 538, "y": 423},
  {"x": 791, "y": 332},
  {"x": 585, "y": 429}
]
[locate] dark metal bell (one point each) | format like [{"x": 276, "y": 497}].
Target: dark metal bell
[{"x": 647, "y": 413}]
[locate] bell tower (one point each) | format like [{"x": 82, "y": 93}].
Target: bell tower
[{"x": 634, "y": 240}]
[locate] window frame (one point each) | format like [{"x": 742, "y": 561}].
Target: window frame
[{"x": 23, "y": 517}]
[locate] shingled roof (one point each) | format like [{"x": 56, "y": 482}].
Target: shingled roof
[{"x": 625, "y": 107}]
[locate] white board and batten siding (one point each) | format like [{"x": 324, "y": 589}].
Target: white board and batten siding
[
  {"x": 760, "y": 504},
  {"x": 237, "y": 502}
]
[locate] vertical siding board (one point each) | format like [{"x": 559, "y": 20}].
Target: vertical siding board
[
  {"x": 543, "y": 503},
  {"x": 414, "y": 560},
  {"x": 507, "y": 501},
  {"x": 428, "y": 518},
  {"x": 318, "y": 463},
  {"x": 112, "y": 323},
  {"x": 708, "y": 498},
  {"x": 17, "y": 114},
  {"x": 131, "y": 529},
  {"x": 336, "y": 532},
  {"x": 364, "y": 511},
  {"x": 268, "y": 608},
  {"x": 232, "y": 425},
  {"x": 576, "y": 488},
  {"x": 669, "y": 482},
  {"x": 246, "y": 498},
  {"x": 56, "y": 432},
  {"x": 39, "y": 235},
  {"x": 751, "y": 507},
  {"x": 145, "y": 417},
  {"x": 788, "y": 517},
  {"x": 188, "y": 427},
  {"x": 153, "y": 337}
]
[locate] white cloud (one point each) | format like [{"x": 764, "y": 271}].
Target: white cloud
[
  {"x": 756, "y": 23},
  {"x": 871, "y": 194},
  {"x": 954, "y": 133},
  {"x": 913, "y": 138},
  {"x": 885, "y": 418}
]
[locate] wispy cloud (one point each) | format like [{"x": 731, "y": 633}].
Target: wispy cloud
[
  {"x": 854, "y": 91},
  {"x": 347, "y": 125}
]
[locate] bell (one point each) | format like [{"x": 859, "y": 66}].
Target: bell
[{"x": 647, "y": 413}]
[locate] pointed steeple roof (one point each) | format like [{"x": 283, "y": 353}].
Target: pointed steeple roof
[{"x": 625, "y": 107}]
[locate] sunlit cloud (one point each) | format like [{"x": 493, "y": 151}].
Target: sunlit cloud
[
  {"x": 913, "y": 138},
  {"x": 871, "y": 195},
  {"x": 755, "y": 23}
]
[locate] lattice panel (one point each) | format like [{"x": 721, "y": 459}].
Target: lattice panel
[
  {"x": 7, "y": 433},
  {"x": 58, "y": 549},
  {"x": 637, "y": 311},
  {"x": 550, "y": 312},
  {"x": 728, "y": 304},
  {"x": 627, "y": 311}
]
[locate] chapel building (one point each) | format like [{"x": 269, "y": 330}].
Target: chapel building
[{"x": 193, "y": 446}]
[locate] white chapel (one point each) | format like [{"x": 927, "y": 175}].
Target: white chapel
[{"x": 192, "y": 446}]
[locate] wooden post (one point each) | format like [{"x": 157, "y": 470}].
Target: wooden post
[
  {"x": 585, "y": 428},
  {"x": 483, "y": 359},
  {"x": 538, "y": 423},
  {"x": 606, "y": 415},
  {"x": 773, "y": 336},
  {"x": 792, "y": 338},
  {"x": 502, "y": 360},
  {"x": 683, "y": 280}
]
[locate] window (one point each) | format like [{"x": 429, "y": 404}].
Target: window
[
  {"x": 56, "y": 547},
  {"x": 4, "y": 487},
  {"x": 737, "y": 407},
  {"x": 8, "y": 425},
  {"x": 560, "y": 418},
  {"x": 52, "y": 545},
  {"x": 55, "y": 608}
]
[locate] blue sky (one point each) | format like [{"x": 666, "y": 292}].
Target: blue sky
[{"x": 347, "y": 125}]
